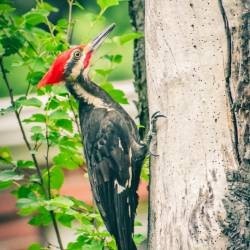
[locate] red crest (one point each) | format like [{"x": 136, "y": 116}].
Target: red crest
[{"x": 55, "y": 73}]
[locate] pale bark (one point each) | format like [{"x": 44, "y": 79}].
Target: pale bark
[{"x": 192, "y": 54}]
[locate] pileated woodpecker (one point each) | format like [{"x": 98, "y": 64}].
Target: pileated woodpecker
[{"x": 113, "y": 150}]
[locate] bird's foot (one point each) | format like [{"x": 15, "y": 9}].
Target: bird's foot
[
  {"x": 152, "y": 130},
  {"x": 152, "y": 154},
  {"x": 154, "y": 119}
]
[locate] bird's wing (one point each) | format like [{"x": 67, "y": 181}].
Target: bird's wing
[{"x": 109, "y": 157}]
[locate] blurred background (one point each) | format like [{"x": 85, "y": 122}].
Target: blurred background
[{"x": 15, "y": 232}]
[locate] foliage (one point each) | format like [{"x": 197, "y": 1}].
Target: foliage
[{"x": 35, "y": 41}]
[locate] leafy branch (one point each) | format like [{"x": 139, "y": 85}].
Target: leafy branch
[
  {"x": 10, "y": 91},
  {"x": 39, "y": 173}
]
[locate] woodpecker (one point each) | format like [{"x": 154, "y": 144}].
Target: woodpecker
[{"x": 112, "y": 147}]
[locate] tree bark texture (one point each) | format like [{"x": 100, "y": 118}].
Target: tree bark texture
[
  {"x": 197, "y": 58},
  {"x": 136, "y": 12}
]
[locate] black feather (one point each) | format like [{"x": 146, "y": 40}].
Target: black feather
[{"x": 114, "y": 156}]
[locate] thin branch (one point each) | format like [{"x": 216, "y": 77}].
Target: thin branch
[
  {"x": 22, "y": 57},
  {"x": 75, "y": 117},
  {"x": 10, "y": 91},
  {"x": 51, "y": 29},
  {"x": 80, "y": 209},
  {"x": 47, "y": 160},
  {"x": 48, "y": 23},
  {"x": 52, "y": 214},
  {"x": 70, "y": 22}
]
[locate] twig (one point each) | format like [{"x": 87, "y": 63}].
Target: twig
[
  {"x": 70, "y": 22},
  {"x": 75, "y": 117},
  {"x": 52, "y": 214},
  {"x": 48, "y": 23},
  {"x": 38, "y": 170},
  {"x": 47, "y": 159}
]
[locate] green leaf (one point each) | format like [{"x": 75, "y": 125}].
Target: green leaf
[
  {"x": 62, "y": 24},
  {"x": 78, "y": 245},
  {"x": 27, "y": 206},
  {"x": 36, "y": 129},
  {"x": 10, "y": 175},
  {"x": 54, "y": 136},
  {"x": 68, "y": 160},
  {"x": 117, "y": 58},
  {"x": 25, "y": 164},
  {"x": 48, "y": 7},
  {"x": 12, "y": 44},
  {"x": 116, "y": 94},
  {"x": 61, "y": 202},
  {"x": 139, "y": 238},
  {"x": 67, "y": 143},
  {"x": 5, "y": 155},
  {"x": 59, "y": 114},
  {"x": 35, "y": 77},
  {"x": 38, "y": 137},
  {"x": 127, "y": 37},
  {"x": 33, "y": 102},
  {"x": 145, "y": 169},
  {"x": 75, "y": 246},
  {"x": 105, "y": 4},
  {"x": 138, "y": 223},
  {"x": 56, "y": 177},
  {"x": 77, "y": 4},
  {"x": 65, "y": 124},
  {"x": 5, "y": 185},
  {"x": 36, "y": 118},
  {"x": 6, "y": 8},
  {"x": 36, "y": 17},
  {"x": 53, "y": 103},
  {"x": 66, "y": 219},
  {"x": 35, "y": 246},
  {"x": 114, "y": 58},
  {"x": 25, "y": 191},
  {"x": 103, "y": 72},
  {"x": 94, "y": 245},
  {"x": 43, "y": 218},
  {"x": 111, "y": 244},
  {"x": 60, "y": 90}
]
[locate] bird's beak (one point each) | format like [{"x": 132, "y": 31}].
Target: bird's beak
[{"x": 96, "y": 43}]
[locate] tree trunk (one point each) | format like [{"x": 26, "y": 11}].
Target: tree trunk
[
  {"x": 198, "y": 75},
  {"x": 136, "y": 12}
]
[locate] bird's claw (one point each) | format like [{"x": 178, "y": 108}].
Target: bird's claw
[
  {"x": 152, "y": 130},
  {"x": 156, "y": 114},
  {"x": 152, "y": 154},
  {"x": 154, "y": 119}
]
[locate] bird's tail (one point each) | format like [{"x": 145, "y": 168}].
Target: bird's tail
[
  {"x": 125, "y": 221},
  {"x": 128, "y": 246}
]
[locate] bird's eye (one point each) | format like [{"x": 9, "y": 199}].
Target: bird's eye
[{"x": 77, "y": 54}]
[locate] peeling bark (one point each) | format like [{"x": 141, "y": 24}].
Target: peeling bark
[
  {"x": 197, "y": 57},
  {"x": 236, "y": 226}
]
